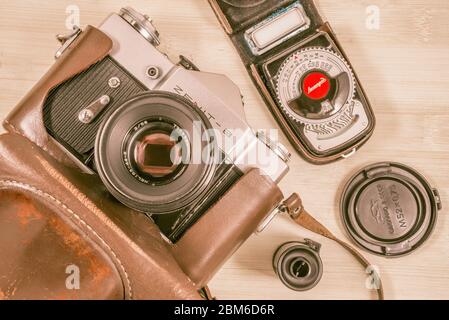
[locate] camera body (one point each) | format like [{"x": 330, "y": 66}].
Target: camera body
[{"x": 118, "y": 119}]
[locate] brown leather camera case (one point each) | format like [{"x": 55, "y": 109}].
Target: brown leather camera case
[{"x": 57, "y": 223}]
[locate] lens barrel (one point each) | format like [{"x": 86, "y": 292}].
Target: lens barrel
[{"x": 131, "y": 153}]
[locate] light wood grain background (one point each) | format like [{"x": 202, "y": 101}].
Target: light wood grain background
[{"x": 404, "y": 68}]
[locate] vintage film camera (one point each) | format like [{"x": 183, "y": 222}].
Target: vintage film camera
[
  {"x": 303, "y": 74},
  {"x": 118, "y": 118}
]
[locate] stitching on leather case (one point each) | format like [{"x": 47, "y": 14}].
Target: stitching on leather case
[
  {"x": 71, "y": 212},
  {"x": 83, "y": 198},
  {"x": 42, "y": 146},
  {"x": 78, "y": 194}
]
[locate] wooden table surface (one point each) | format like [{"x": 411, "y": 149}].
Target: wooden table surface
[{"x": 404, "y": 67}]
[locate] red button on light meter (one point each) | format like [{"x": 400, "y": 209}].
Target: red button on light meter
[{"x": 316, "y": 85}]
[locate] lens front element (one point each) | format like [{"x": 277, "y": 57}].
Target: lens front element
[{"x": 153, "y": 154}]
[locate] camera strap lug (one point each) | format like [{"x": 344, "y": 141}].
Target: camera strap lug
[
  {"x": 264, "y": 224},
  {"x": 66, "y": 40},
  {"x": 289, "y": 205},
  {"x": 349, "y": 154},
  {"x": 437, "y": 197},
  {"x": 187, "y": 64}
]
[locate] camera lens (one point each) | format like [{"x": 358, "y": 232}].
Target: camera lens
[{"x": 145, "y": 153}]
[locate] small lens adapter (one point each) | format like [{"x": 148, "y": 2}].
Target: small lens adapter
[{"x": 298, "y": 264}]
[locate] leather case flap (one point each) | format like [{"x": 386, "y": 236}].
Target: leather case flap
[
  {"x": 229, "y": 223},
  {"x": 26, "y": 119},
  {"x": 237, "y": 18},
  {"x": 240, "y": 14}
]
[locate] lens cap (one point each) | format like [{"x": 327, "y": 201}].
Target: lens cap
[
  {"x": 389, "y": 209},
  {"x": 298, "y": 264}
]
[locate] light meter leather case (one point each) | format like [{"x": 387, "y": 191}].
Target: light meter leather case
[{"x": 303, "y": 74}]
